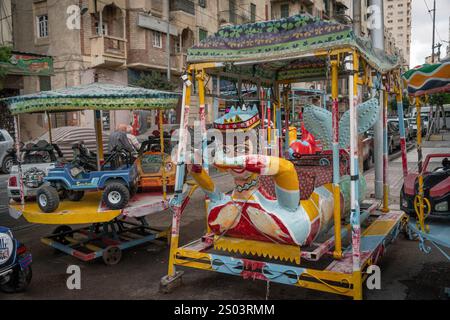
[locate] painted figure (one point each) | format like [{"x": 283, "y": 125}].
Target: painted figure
[{"x": 286, "y": 215}]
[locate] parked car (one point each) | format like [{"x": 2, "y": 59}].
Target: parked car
[
  {"x": 6, "y": 151},
  {"x": 393, "y": 135},
  {"x": 436, "y": 187},
  {"x": 368, "y": 149},
  {"x": 414, "y": 127},
  {"x": 36, "y": 161},
  {"x": 15, "y": 263}
]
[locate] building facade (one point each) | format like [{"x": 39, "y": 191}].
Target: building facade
[
  {"x": 118, "y": 41},
  {"x": 324, "y": 9},
  {"x": 397, "y": 23}
]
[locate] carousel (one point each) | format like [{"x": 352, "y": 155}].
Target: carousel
[
  {"x": 107, "y": 189},
  {"x": 300, "y": 221}
]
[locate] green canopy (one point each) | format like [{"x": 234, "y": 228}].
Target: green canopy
[
  {"x": 286, "y": 48},
  {"x": 94, "y": 96}
]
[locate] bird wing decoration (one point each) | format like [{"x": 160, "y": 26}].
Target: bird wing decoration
[
  {"x": 368, "y": 113},
  {"x": 318, "y": 122}
]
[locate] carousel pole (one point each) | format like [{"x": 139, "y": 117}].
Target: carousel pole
[
  {"x": 419, "y": 165},
  {"x": 354, "y": 174},
  {"x": 385, "y": 208},
  {"x": 49, "y": 122},
  {"x": 179, "y": 177},
  {"x": 401, "y": 121},
  {"x": 269, "y": 118},
  {"x": 286, "y": 121},
  {"x": 161, "y": 144},
  {"x": 336, "y": 174},
  {"x": 201, "y": 97},
  {"x": 99, "y": 137},
  {"x": 19, "y": 159}
]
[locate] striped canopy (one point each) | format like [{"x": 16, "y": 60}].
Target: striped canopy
[
  {"x": 428, "y": 79},
  {"x": 94, "y": 96}
]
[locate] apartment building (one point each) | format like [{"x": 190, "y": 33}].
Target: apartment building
[
  {"x": 5, "y": 23},
  {"x": 397, "y": 22},
  {"x": 117, "y": 41},
  {"x": 324, "y": 9}
]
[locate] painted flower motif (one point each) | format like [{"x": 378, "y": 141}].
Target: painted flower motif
[{"x": 273, "y": 27}]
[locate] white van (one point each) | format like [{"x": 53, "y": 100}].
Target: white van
[{"x": 425, "y": 114}]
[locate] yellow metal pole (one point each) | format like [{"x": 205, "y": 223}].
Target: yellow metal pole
[
  {"x": 419, "y": 164},
  {"x": 163, "y": 157},
  {"x": 336, "y": 174},
  {"x": 99, "y": 137}
]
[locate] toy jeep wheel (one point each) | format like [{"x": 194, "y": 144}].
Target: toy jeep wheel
[
  {"x": 116, "y": 195},
  {"x": 47, "y": 199},
  {"x": 75, "y": 195}
]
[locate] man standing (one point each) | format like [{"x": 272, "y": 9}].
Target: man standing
[{"x": 119, "y": 139}]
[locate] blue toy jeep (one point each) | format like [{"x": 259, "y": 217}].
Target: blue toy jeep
[
  {"x": 117, "y": 178},
  {"x": 15, "y": 263}
]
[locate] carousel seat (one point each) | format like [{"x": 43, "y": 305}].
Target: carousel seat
[{"x": 309, "y": 178}]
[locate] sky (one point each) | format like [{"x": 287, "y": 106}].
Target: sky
[{"x": 422, "y": 25}]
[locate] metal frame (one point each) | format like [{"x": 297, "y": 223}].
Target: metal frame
[{"x": 345, "y": 274}]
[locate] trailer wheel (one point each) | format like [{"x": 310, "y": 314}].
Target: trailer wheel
[
  {"x": 116, "y": 196},
  {"x": 58, "y": 232},
  {"x": 75, "y": 195},
  {"x": 112, "y": 255},
  {"x": 47, "y": 199}
]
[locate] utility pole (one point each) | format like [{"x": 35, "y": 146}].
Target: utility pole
[
  {"x": 434, "y": 26},
  {"x": 168, "y": 38},
  {"x": 377, "y": 36},
  {"x": 357, "y": 17}
]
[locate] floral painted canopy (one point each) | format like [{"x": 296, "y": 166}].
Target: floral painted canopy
[
  {"x": 428, "y": 79},
  {"x": 285, "y": 49},
  {"x": 94, "y": 96}
]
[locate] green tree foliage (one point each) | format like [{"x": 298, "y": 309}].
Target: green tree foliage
[
  {"x": 154, "y": 80},
  {"x": 5, "y": 55},
  {"x": 439, "y": 99}
]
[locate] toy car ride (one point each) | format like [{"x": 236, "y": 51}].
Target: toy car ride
[
  {"x": 37, "y": 159},
  {"x": 151, "y": 163},
  {"x": 436, "y": 187},
  {"x": 117, "y": 178},
  {"x": 15, "y": 263}
]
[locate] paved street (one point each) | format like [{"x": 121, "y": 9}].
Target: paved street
[{"x": 407, "y": 273}]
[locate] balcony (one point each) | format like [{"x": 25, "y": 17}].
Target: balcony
[
  {"x": 108, "y": 51},
  {"x": 187, "y": 6},
  {"x": 228, "y": 17}
]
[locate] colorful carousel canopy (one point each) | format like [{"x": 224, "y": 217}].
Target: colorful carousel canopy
[
  {"x": 428, "y": 79},
  {"x": 290, "y": 48},
  {"x": 94, "y": 96}
]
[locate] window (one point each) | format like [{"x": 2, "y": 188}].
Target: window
[
  {"x": 284, "y": 8},
  {"x": 400, "y": 5},
  {"x": 157, "y": 39},
  {"x": 400, "y": 20},
  {"x": 252, "y": 12},
  {"x": 202, "y": 3},
  {"x": 390, "y": 21},
  {"x": 42, "y": 26},
  {"x": 390, "y": 7},
  {"x": 104, "y": 29},
  {"x": 232, "y": 8},
  {"x": 202, "y": 34},
  {"x": 2, "y": 138}
]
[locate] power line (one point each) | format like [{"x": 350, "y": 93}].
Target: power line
[{"x": 429, "y": 13}]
